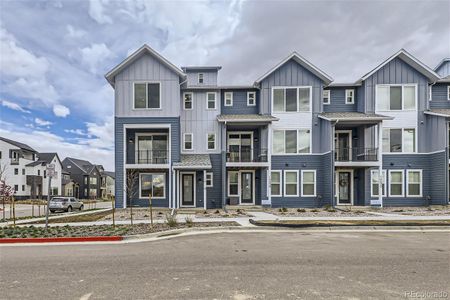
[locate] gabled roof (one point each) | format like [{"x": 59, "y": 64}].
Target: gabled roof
[
  {"x": 110, "y": 174},
  {"x": 18, "y": 144},
  {"x": 84, "y": 165},
  {"x": 441, "y": 63},
  {"x": 44, "y": 159},
  {"x": 304, "y": 63},
  {"x": 145, "y": 49},
  {"x": 410, "y": 60}
]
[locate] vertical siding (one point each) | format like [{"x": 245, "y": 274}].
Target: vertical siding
[
  {"x": 436, "y": 126},
  {"x": 444, "y": 69},
  {"x": 337, "y": 100},
  {"x": 439, "y": 97},
  {"x": 147, "y": 68},
  {"x": 240, "y": 103},
  {"x": 214, "y": 194},
  {"x": 209, "y": 78}
]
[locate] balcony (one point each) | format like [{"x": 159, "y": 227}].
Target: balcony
[
  {"x": 246, "y": 155},
  {"x": 356, "y": 154},
  {"x": 154, "y": 157}
]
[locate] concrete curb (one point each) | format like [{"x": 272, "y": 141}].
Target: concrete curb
[
  {"x": 347, "y": 223},
  {"x": 61, "y": 239}
]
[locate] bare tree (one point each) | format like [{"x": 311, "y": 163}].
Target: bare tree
[
  {"x": 132, "y": 178},
  {"x": 3, "y": 186}
]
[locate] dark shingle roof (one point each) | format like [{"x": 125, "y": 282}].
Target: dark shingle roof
[
  {"x": 246, "y": 118},
  {"x": 18, "y": 144},
  {"x": 110, "y": 174},
  {"x": 46, "y": 157},
  {"x": 352, "y": 116},
  {"x": 443, "y": 112},
  {"x": 194, "y": 161}
]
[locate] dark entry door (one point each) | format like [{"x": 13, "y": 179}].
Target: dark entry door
[
  {"x": 247, "y": 188},
  {"x": 187, "y": 192},
  {"x": 343, "y": 146},
  {"x": 345, "y": 187}
]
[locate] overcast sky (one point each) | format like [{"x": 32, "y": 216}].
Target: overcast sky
[{"x": 54, "y": 54}]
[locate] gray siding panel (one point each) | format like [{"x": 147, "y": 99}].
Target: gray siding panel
[
  {"x": 439, "y": 97},
  {"x": 214, "y": 194},
  {"x": 437, "y": 127},
  {"x": 240, "y": 103},
  {"x": 209, "y": 78},
  {"x": 337, "y": 101},
  {"x": 444, "y": 69}
]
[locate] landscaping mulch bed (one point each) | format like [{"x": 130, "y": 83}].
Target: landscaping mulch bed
[
  {"x": 219, "y": 213},
  {"x": 80, "y": 218},
  {"x": 101, "y": 230},
  {"x": 417, "y": 211},
  {"x": 123, "y": 214},
  {"x": 317, "y": 212}
]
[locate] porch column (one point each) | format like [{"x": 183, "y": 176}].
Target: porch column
[
  {"x": 380, "y": 166},
  {"x": 204, "y": 189},
  {"x": 269, "y": 160},
  {"x": 224, "y": 164}
]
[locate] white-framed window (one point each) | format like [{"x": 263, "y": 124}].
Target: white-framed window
[
  {"x": 211, "y": 141},
  {"x": 413, "y": 183},
  {"x": 308, "y": 183},
  {"x": 209, "y": 179},
  {"x": 188, "y": 141},
  {"x": 275, "y": 183},
  {"x": 187, "y": 101},
  {"x": 200, "y": 78},
  {"x": 233, "y": 183},
  {"x": 228, "y": 99},
  {"x": 448, "y": 92},
  {"x": 147, "y": 95},
  {"x": 396, "y": 97},
  {"x": 151, "y": 148},
  {"x": 326, "y": 97},
  {"x": 396, "y": 187},
  {"x": 211, "y": 100},
  {"x": 295, "y": 141},
  {"x": 350, "y": 96},
  {"x": 291, "y": 99},
  {"x": 152, "y": 184},
  {"x": 374, "y": 185},
  {"x": 399, "y": 140},
  {"x": 93, "y": 180},
  {"x": 251, "y": 98},
  {"x": 291, "y": 183}
]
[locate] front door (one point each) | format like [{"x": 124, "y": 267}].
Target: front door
[
  {"x": 247, "y": 188},
  {"x": 343, "y": 145},
  {"x": 344, "y": 188},
  {"x": 187, "y": 190}
]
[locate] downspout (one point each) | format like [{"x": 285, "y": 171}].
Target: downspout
[
  {"x": 224, "y": 173},
  {"x": 333, "y": 171},
  {"x": 380, "y": 167},
  {"x": 204, "y": 189}
]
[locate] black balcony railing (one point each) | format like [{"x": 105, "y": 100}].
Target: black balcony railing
[
  {"x": 246, "y": 154},
  {"x": 152, "y": 157},
  {"x": 356, "y": 154}
]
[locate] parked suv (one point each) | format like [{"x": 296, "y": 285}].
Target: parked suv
[{"x": 65, "y": 204}]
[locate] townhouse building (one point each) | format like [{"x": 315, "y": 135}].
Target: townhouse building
[
  {"x": 85, "y": 177},
  {"x": 293, "y": 138}
]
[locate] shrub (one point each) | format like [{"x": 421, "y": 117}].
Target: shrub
[
  {"x": 314, "y": 210},
  {"x": 171, "y": 221},
  {"x": 216, "y": 212},
  {"x": 302, "y": 210},
  {"x": 189, "y": 221}
]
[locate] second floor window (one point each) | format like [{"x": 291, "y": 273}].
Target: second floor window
[
  {"x": 228, "y": 99},
  {"x": 211, "y": 141},
  {"x": 395, "y": 97},
  {"x": 326, "y": 97},
  {"x": 210, "y": 100},
  {"x": 349, "y": 96},
  {"x": 188, "y": 141},
  {"x": 292, "y": 99},
  {"x": 187, "y": 101},
  {"x": 16, "y": 171},
  {"x": 200, "y": 78},
  {"x": 147, "y": 95},
  {"x": 251, "y": 98},
  {"x": 291, "y": 141},
  {"x": 399, "y": 140},
  {"x": 93, "y": 180}
]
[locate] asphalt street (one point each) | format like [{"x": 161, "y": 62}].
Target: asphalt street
[{"x": 276, "y": 265}]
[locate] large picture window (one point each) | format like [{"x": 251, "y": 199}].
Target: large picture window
[
  {"x": 399, "y": 140},
  {"x": 290, "y": 183},
  {"x": 414, "y": 183},
  {"x": 308, "y": 183},
  {"x": 292, "y": 141},
  {"x": 152, "y": 184},
  {"x": 275, "y": 186},
  {"x": 396, "y": 97},
  {"x": 396, "y": 183},
  {"x": 291, "y": 99},
  {"x": 147, "y": 95},
  {"x": 374, "y": 180}
]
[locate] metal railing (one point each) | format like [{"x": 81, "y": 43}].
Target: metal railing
[
  {"x": 246, "y": 154},
  {"x": 152, "y": 157},
  {"x": 356, "y": 154}
]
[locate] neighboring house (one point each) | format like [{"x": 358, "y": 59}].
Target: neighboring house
[
  {"x": 292, "y": 139},
  {"x": 25, "y": 170},
  {"x": 85, "y": 176},
  {"x": 108, "y": 186}
]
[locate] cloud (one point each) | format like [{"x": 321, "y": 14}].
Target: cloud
[
  {"x": 14, "y": 106},
  {"x": 61, "y": 110},
  {"x": 96, "y": 11},
  {"x": 75, "y": 33},
  {"x": 42, "y": 122},
  {"x": 95, "y": 55},
  {"x": 76, "y": 132}
]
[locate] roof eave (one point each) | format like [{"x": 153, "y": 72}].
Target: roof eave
[{"x": 431, "y": 113}]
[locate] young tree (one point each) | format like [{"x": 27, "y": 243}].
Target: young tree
[
  {"x": 131, "y": 180},
  {"x": 3, "y": 187}
]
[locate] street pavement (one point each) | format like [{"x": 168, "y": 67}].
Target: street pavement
[{"x": 269, "y": 265}]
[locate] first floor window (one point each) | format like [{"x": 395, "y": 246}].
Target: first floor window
[
  {"x": 374, "y": 179},
  {"x": 291, "y": 183},
  {"x": 251, "y": 98},
  {"x": 308, "y": 183},
  {"x": 399, "y": 140},
  {"x": 211, "y": 141},
  {"x": 228, "y": 99},
  {"x": 326, "y": 97},
  {"x": 349, "y": 96},
  {"x": 209, "y": 179},
  {"x": 16, "y": 187},
  {"x": 233, "y": 183},
  {"x": 23, "y": 188},
  {"x": 147, "y": 95},
  {"x": 23, "y": 171},
  {"x": 414, "y": 183},
  {"x": 275, "y": 185},
  {"x": 187, "y": 143},
  {"x": 86, "y": 192},
  {"x": 211, "y": 100},
  {"x": 54, "y": 191},
  {"x": 396, "y": 183},
  {"x": 291, "y": 141},
  {"x": 152, "y": 184},
  {"x": 16, "y": 171},
  {"x": 187, "y": 101}
]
